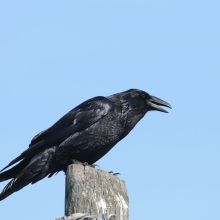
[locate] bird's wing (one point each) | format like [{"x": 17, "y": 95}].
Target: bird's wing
[{"x": 78, "y": 119}]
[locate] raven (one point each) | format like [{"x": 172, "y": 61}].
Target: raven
[{"x": 85, "y": 134}]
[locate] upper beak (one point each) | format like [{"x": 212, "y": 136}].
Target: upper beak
[{"x": 155, "y": 103}]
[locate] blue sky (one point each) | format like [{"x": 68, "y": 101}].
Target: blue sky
[{"x": 55, "y": 55}]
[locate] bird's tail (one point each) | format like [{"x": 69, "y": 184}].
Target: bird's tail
[
  {"x": 28, "y": 171},
  {"x": 9, "y": 174}
]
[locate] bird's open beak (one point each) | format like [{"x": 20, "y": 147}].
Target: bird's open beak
[{"x": 155, "y": 103}]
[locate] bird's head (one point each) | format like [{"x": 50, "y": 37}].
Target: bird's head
[{"x": 136, "y": 103}]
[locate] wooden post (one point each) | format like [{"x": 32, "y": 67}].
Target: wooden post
[{"x": 94, "y": 191}]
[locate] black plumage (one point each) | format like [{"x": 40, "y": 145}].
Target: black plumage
[{"x": 85, "y": 134}]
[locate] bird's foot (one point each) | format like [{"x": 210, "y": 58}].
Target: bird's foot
[
  {"x": 91, "y": 165},
  {"x": 114, "y": 173},
  {"x": 84, "y": 164},
  {"x": 73, "y": 161}
]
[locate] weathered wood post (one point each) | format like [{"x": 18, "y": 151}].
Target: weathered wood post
[{"x": 95, "y": 191}]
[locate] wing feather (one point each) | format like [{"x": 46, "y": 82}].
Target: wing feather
[{"x": 78, "y": 119}]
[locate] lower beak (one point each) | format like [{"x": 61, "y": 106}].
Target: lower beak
[{"x": 155, "y": 104}]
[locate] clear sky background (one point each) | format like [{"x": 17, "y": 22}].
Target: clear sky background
[{"x": 56, "y": 54}]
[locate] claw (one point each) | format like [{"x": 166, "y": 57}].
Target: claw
[
  {"x": 95, "y": 165},
  {"x": 84, "y": 164},
  {"x": 75, "y": 161},
  {"x": 114, "y": 173},
  {"x": 90, "y": 165}
]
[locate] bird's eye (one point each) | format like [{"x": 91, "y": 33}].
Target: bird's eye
[{"x": 143, "y": 95}]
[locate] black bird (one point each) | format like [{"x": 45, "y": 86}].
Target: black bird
[{"x": 84, "y": 134}]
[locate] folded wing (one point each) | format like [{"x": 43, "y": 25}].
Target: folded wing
[{"x": 78, "y": 119}]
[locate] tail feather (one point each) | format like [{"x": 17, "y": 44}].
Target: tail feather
[
  {"x": 9, "y": 174},
  {"x": 34, "y": 170},
  {"x": 12, "y": 187}
]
